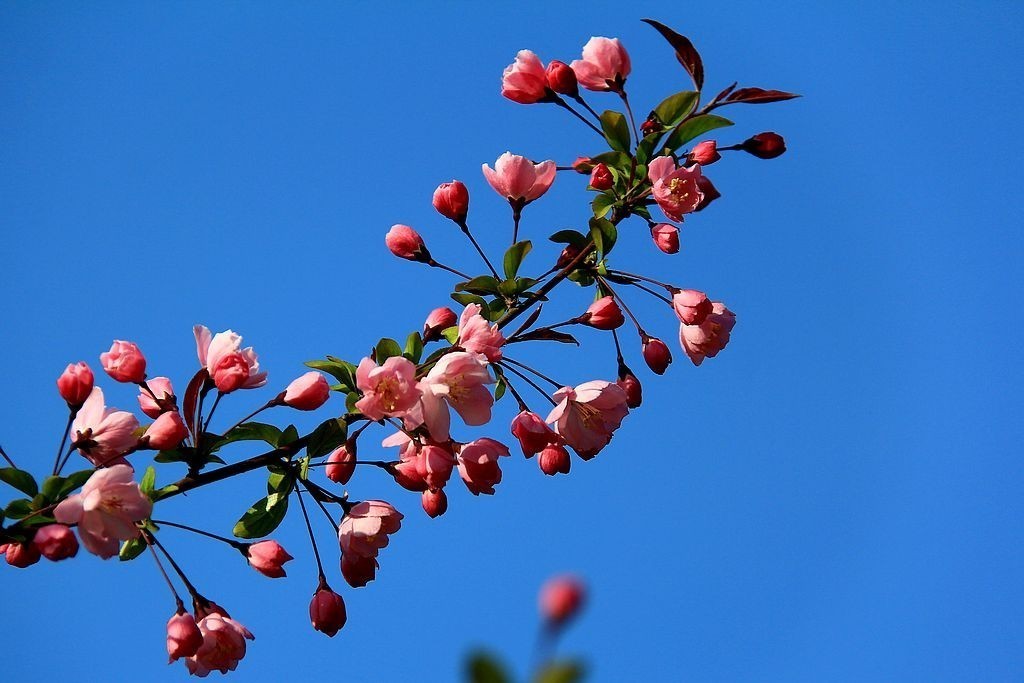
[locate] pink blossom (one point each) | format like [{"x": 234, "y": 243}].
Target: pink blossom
[
  {"x": 358, "y": 570},
  {"x": 106, "y": 510},
  {"x": 603, "y": 314},
  {"x": 561, "y": 598},
  {"x": 268, "y": 558},
  {"x": 21, "y": 555},
  {"x": 478, "y": 465},
  {"x": 55, "y": 542},
  {"x": 532, "y": 432},
  {"x": 366, "y": 526},
  {"x": 434, "y": 502},
  {"x": 327, "y": 611},
  {"x": 691, "y": 306},
  {"x": 75, "y": 384},
  {"x": 103, "y": 434},
  {"x": 230, "y": 366},
  {"x": 479, "y": 336},
  {"x": 406, "y": 243},
  {"x": 341, "y": 463},
  {"x": 223, "y": 645},
  {"x": 164, "y": 392},
  {"x": 524, "y": 80},
  {"x": 656, "y": 355},
  {"x": 437, "y": 464},
  {"x": 308, "y": 392},
  {"x": 709, "y": 337},
  {"x": 631, "y": 385},
  {"x": 562, "y": 79},
  {"x": 518, "y": 179},
  {"x": 451, "y": 200},
  {"x": 554, "y": 459},
  {"x": 124, "y": 362},
  {"x": 389, "y": 390},
  {"x": 409, "y": 471},
  {"x": 666, "y": 237},
  {"x": 676, "y": 190},
  {"x": 183, "y": 636},
  {"x": 705, "y": 153},
  {"x": 167, "y": 432},
  {"x": 605, "y": 65},
  {"x": 601, "y": 178},
  {"x": 458, "y": 379},
  {"x": 587, "y": 416},
  {"x": 439, "y": 320}
]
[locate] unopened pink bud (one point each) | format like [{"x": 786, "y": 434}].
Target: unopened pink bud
[
  {"x": 308, "y": 392},
  {"x": 691, "y": 306},
  {"x": 532, "y": 432},
  {"x": 404, "y": 242},
  {"x": 183, "y": 636},
  {"x": 561, "y": 599},
  {"x": 562, "y": 79},
  {"x": 341, "y": 463},
  {"x": 56, "y": 542},
  {"x": 268, "y": 558},
  {"x": 161, "y": 388},
  {"x": 167, "y": 432},
  {"x": 583, "y": 165},
  {"x": 603, "y": 314},
  {"x": 656, "y": 355},
  {"x": 21, "y": 555},
  {"x": 705, "y": 153},
  {"x": 452, "y": 201},
  {"x": 666, "y": 237},
  {"x": 631, "y": 385},
  {"x": 554, "y": 459},
  {"x": 434, "y": 501},
  {"x": 231, "y": 372},
  {"x": 765, "y": 145},
  {"x": 327, "y": 611},
  {"x": 437, "y": 322},
  {"x": 75, "y": 384},
  {"x": 358, "y": 570},
  {"x": 601, "y": 178},
  {"x": 567, "y": 256},
  {"x": 124, "y": 362}
]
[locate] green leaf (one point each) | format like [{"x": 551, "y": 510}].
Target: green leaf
[
  {"x": 413, "y": 347},
  {"x": 602, "y": 204},
  {"x": 616, "y": 130},
  {"x": 18, "y": 508},
  {"x": 482, "y": 667},
  {"x": 328, "y": 436},
  {"x": 576, "y": 239},
  {"x": 19, "y": 479},
  {"x": 508, "y": 288},
  {"x": 675, "y": 108},
  {"x": 131, "y": 549},
  {"x": 693, "y": 128},
  {"x": 51, "y": 487},
  {"x": 343, "y": 371},
  {"x": 514, "y": 257},
  {"x": 350, "y": 401},
  {"x": 183, "y": 454},
  {"x": 451, "y": 334},
  {"x": 499, "y": 389},
  {"x": 560, "y": 672},
  {"x": 386, "y": 348},
  {"x": 304, "y": 468},
  {"x": 604, "y": 234},
  {"x": 289, "y": 435},
  {"x": 263, "y": 517},
  {"x": 281, "y": 483},
  {"x": 148, "y": 482},
  {"x": 252, "y": 431}
]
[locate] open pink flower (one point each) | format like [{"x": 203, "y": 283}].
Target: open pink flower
[
  {"x": 691, "y": 306},
  {"x": 106, "y": 510},
  {"x": 183, "y": 636},
  {"x": 164, "y": 392},
  {"x": 518, "y": 179},
  {"x": 677, "y": 190},
  {"x": 230, "y": 366},
  {"x": 458, "y": 379},
  {"x": 605, "y": 65},
  {"x": 587, "y": 416},
  {"x": 124, "y": 362},
  {"x": 223, "y": 645},
  {"x": 479, "y": 336},
  {"x": 389, "y": 390},
  {"x": 709, "y": 337},
  {"x": 524, "y": 80},
  {"x": 365, "y": 528},
  {"x": 103, "y": 434},
  {"x": 478, "y": 465},
  {"x": 533, "y": 433}
]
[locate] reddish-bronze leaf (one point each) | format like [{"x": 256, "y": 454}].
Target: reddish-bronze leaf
[
  {"x": 192, "y": 398},
  {"x": 686, "y": 53},
  {"x": 725, "y": 92},
  {"x": 759, "y": 96}
]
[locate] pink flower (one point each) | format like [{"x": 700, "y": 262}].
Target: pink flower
[
  {"x": 366, "y": 526},
  {"x": 631, "y": 385},
  {"x": 561, "y": 598},
  {"x": 675, "y": 189},
  {"x": 308, "y": 392},
  {"x": 765, "y": 145},
  {"x": 478, "y": 465},
  {"x": 223, "y": 645},
  {"x": 451, "y": 200},
  {"x": 458, "y": 379},
  {"x": 554, "y": 459},
  {"x": 562, "y": 79},
  {"x": 268, "y": 558},
  {"x": 75, "y": 384},
  {"x": 327, "y": 611},
  {"x": 478, "y": 336},
  {"x": 341, "y": 463},
  {"x": 358, "y": 570},
  {"x": 518, "y": 179},
  {"x": 183, "y": 636},
  {"x": 21, "y": 555},
  {"x": 124, "y": 362},
  {"x": 605, "y": 65},
  {"x": 410, "y": 470},
  {"x": 603, "y": 314},
  {"x": 434, "y": 502},
  {"x": 656, "y": 355},
  {"x": 55, "y": 542},
  {"x": 601, "y": 178},
  {"x": 587, "y": 416},
  {"x": 404, "y": 242},
  {"x": 439, "y": 320},
  {"x": 709, "y": 337},
  {"x": 705, "y": 153},
  {"x": 103, "y": 434},
  {"x": 666, "y": 237},
  {"x": 437, "y": 464},
  {"x": 389, "y": 390},
  {"x": 523, "y": 80},
  {"x": 691, "y": 306},
  {"x": 106, "y": 510},
  {"x": 532, "y": 432},
  {"x": 164, "y": 392},
  {"x": 167, "y": 432},
  {"x": 230, "y": 366}
]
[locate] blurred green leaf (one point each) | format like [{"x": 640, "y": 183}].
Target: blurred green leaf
[
  {"x": 19, "y": 479},
  {"x": 289, "y": 435},
  {"x": 576, "y": 239},
  {"x": 131, "y": 549},
  {"x": 148, "y": 482},
  {"x": 18, "y": 508},
  {"x": 252, "y": 431},
  {"x": 602, "y": 203},
  {"x": 604, "y": 234},
  {"x": 561, "y": 672},
  {"x": 482, "y": 667}
]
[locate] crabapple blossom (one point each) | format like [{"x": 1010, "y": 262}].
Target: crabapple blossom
[
  {"x": 562, "y": 79},
  {"x": 601, "y": 178},
  {"x": 103, "y": 434},
  {"x": 327, "y": 611},
  {"x": 268, "y": 558},
  {"x": 161, "y": 389},
  {"x": 656, "y": 354},
  {"x": 75, "y": 384},
  {"x": 478, "y": 465},
  {"x": 532, "y": 432},
  {"x": 106, "y": 510},
  {"x": 603, "y": 314},
  {"x": 554, "y": 459},
  {"x": 341, "y": 463},
  {"x": 55, "y": 542},
  {"x": 666, "y": 237},
  {"x": 183, "y": 636},
  {"x": 586, "y": 416},
  {"x": 704, "y": 153},
  {"x": 708, "y": 190},
  {"x": 308, "y": 392},
  {"x": 439, "y": 320},
  {"x": 451, "y": 200},
  {"x": 167, "y": 432},
  {"x": 605, "y": 65},
  {"x": 710, "y": 336},
  {"x": 358, "y": 570},
  {"x": 406, "y": 243},
  {"x": 524, "y": 80},
  {"x": 229, "y": 365},
  {"x": 561, "y": 599},
  {"x": 479, "y": 336},
  {"x": 124, "y": 362},
  {"x": 223, "y": 645},
  {"x": 691, "y": 306},
  {"x": 460, "y": 380},
  {"x": 675, "y": 189},
  {"x": 389, "y": 390},
  {"x": 21, "y": 555},
  {"x": 765, "y": 145},
  {"x": 365, "y": 528},
  {"x": 434, "y": 502},
  {"x": 631, "y": 385},
  {"x": 518, "y": 179}
]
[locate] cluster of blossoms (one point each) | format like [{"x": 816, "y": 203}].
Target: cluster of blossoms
[{"x": 410, "y": 393}]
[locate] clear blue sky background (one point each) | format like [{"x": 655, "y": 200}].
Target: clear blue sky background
[{"x": 836, "y": 497}]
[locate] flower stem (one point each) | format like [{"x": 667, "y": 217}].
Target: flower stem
[
  {"x": 233, "y": 543},
  {"x": 312, "y": 539},
  {"x": 465, "y": 231},
  {"x": 63, "y": 441}
]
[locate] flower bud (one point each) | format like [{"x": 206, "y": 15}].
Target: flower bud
[
  {"x": 567, "y": 256},
  {"x": 765, "y": 145},
  {"x": 705, "y": 153},
  {"x": 124, "y": 362},
  {"x": 327, "y": 611},
  {"x": 56, "y": 542},
  {"x": 404, "y": 242},
  {"x": 183, "y": 636},
  {"x": 21, "y": 555},
  {"x": 532, "y": 432},
  {"x": 656, "y": 355},
  {"x": 75, "y": 384},
  {"x": 358, "y": 570},
  {"x": 167, "y": 432},
  {"x": 691, "y": 306},
  {"x": 708, "y": 190},
  {"x": 561, "y": 599},
  {"x": 583, "y": 165},
  {"x": 434, "y": 501},
  {"x": 452, "y": 201},
  {"x": 231, "y": 372},
  {"x": 554, "y": 459},
  {"x": 651, "y": 125},
  {"x": 268, "y": 558},
  {"x": 308, "y": 392},
  {"x": 437, "y": 322},
  {"x": 631, "y": 385},
  {"x": 601, "y": 178},
  {"x": 159, "y": 387},
  {"x": 666, "y": 237},
  {"x": 341, "y": 463},
  {"x": 603, "y": 314},
  {"x": 562, "y": 79}
]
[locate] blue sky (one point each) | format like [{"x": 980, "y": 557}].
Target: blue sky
[{"x": 835, "y": 497}]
